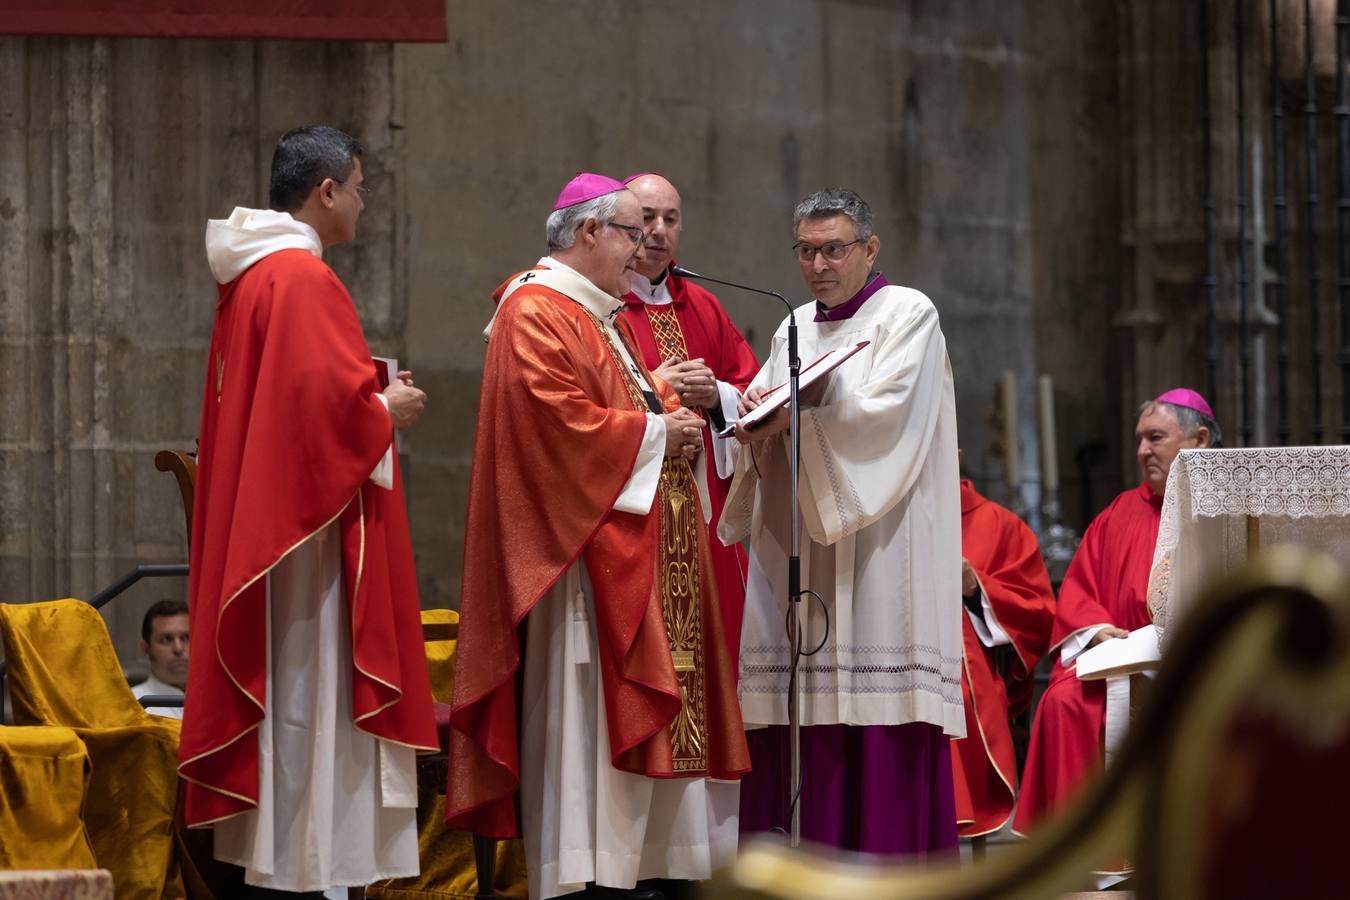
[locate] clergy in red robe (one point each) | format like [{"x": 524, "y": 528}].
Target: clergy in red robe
[
  {"x": 687, "y": 338},
  {"x": 1009, "y": 603},
  {"x": 613, "y": 726},
  {"x": 1104, "y": 597},
  {"x": 308, "y": 695}
]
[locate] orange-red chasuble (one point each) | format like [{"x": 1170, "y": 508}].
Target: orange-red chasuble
[
  {"x": 1007, "y": 561},
  {"x": 291, "y": 430},
  {"x": 559, "y": 428}
]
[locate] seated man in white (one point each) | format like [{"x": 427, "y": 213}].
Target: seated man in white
[{"x": 164, "y": 641}]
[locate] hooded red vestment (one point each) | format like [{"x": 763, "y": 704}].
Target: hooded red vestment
[
  {"x": 291, "y": 430},
  {"x": 1107, "y": 584},
  {"x": 704, "y": 331},
  {"x": 1007, "y": 561},
  {"x": 558, "y": 435}
]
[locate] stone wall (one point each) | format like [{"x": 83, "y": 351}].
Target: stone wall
[{"x": 983, "y": 133}]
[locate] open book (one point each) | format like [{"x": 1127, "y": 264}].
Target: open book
[
  {"x": 781, "y": 396},
  {"x": 1121, "y": 656}
]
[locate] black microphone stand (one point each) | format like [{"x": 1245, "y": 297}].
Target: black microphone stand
[{"x": 794, "y": 555}]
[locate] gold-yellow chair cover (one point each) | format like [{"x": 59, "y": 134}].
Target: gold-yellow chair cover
[
  {"x": 44, "y": 773},
  {"x": 447, "y": 855},
  {"x": 62, "y": 670}
]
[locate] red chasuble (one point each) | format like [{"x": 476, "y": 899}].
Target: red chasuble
[
  {"x": 694, "y": 326},
  {"x": 1107, "y": 584},
  {"x": 291, "y": 430},
  {"x": 559, "y": 429},
  {"x": 1007, "y": 561}
]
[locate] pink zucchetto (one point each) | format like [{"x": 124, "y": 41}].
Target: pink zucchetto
[
  {"x": 586, "y": 186},
  {"x": 1187, "y": 398}
]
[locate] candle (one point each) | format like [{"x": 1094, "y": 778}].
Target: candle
[
  {"x": 1010, "y": 430},
  {"x": 1049, "y": 454}
]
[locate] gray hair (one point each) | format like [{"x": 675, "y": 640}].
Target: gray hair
[
  {"x": 828, "y": 202},
  {"x": 561, "y": 227},
  {"x": 1190, "y": 420}
]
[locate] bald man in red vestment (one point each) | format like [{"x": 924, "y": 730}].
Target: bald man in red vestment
[
  {"x": 1006, "y": 591},
  {"x": 1104, "y": 597},
  {"x": 686, "y": 338}
]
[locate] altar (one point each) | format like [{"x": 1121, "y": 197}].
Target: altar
[{"x": 1224, "y": 504}]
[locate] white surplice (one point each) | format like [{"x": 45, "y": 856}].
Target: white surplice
[
  {"x": 584, "y": 820},
  {"x": 336, "y": 806},
  {"x": 881, "y": 543}
]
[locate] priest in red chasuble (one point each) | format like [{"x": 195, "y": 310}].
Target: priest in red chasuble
[
  {"x": 1009, "y": 603},
  {"x": 688, "y": 340},
  {"x": 587, "y": 539},
  {"x": 1104, "y": 597},
  {"x": 308, "y": 695}
]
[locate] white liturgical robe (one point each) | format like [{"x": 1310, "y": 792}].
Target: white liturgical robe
[
  {"x": 582, "y": 819},
  {"x": 881, "y": 512}
]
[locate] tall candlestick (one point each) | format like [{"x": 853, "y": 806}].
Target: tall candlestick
[
  {"x": 1049, "y": 453},
  {"x": 1010, "y": 461}
]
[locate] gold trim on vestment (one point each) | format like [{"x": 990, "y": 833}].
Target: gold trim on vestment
[
  {"x": 682, "y": 607},
  {"x": 680, "y": 579},
  {"x": 988, "y": 754}
]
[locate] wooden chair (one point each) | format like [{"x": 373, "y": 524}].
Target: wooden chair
[{"x": 1245, "y": 732}]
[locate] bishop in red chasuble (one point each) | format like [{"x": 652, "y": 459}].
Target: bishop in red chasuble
[{"x": 589, "y": 612}]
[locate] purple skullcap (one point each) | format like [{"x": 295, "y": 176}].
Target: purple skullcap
[
  {"x": 586, "y": 186},
  {"x": 1187, "y": 398},
  {"x": 636, "y": 175}
]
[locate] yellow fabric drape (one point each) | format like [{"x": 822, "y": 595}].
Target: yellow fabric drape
[
  {"x": 446, "y": 855},
  {"x": 44, "y": 772},
  {"x": 62, "y": 670}
]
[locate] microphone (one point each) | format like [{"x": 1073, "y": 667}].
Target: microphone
[
  {"x": 689, "y": 273},
  {"x": 715, "y": 415},
  {"x": 794, "y": 560}
]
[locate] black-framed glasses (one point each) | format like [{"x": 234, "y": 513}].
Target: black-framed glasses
[
  {"x": 359, "y": 188},
  {"x": 833, "y": 251},
  {"x": 635, "y": 232}
]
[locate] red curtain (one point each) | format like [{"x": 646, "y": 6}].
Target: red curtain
[{"x": 341, "y": 20}]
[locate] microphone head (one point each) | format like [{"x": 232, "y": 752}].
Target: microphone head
[{"x": 683, "y": 272}]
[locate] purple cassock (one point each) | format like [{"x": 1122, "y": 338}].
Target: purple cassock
[{"x": 856, "y": 778}]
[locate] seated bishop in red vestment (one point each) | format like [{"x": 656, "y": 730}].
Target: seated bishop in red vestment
[{"x": 1103, "y": 597}]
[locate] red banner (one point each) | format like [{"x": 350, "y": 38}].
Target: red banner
[{"x": 333, "y": 20}]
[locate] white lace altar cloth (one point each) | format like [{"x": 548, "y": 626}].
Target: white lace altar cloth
[{"x": 1299, "y": 495}]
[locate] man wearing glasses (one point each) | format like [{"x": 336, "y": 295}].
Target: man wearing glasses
[
  {"x": 587, "y": 535},
  {"x": 880, "y": 502},
  {"x": 309, "y": 695}
]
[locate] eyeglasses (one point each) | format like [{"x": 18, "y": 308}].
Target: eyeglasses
[
  {"x": 635, "y": 232},
  {"x": 359, "y": 188},
  {"x": 834, "y": 251}
]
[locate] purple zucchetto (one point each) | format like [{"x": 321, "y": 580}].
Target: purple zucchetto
[
  {"x": 1187, "y": 398},
  {"x": 586, "y": 186}
]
